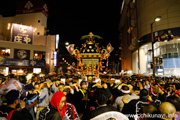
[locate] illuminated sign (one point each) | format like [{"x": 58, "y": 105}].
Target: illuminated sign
[
  {"x": 20, "y": 62},
  {"x": 22, "y": 34},
  {"x": 57, "y": 41},
  {"x": 55, "y": 58}
]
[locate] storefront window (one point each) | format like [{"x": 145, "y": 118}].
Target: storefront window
[
  {"x": 171, "y": 48},
  {"x": 170, "y": 55},
  {"x": 175, "y": 55},
  {"x": 39, "y": 55},
  {"x": 4, "y": 52},
  {"x": 19, "y": 71},
  {"x": 4, "y": 70},
  {"x": 165, "y": 56},
  {"x": 170, "y": 51},
  {"x": 36, "y": 70}
]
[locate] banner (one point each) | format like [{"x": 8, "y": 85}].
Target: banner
[
  {"x": 22, "y": 34},
  {"x": 24, "y": 63},
  {"x": 21, "y": 54}
]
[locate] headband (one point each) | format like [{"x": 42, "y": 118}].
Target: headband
[
  {"x": 162, "y": 88},
  {"x": 152, "y": 91},
  {"x": 84, "y": 83},
  {"x": 177, "y": 81},
  {"x": 177, "y": 92},
  {"x": 32, "y": 100},
  {"x": 125, "y": 91}
]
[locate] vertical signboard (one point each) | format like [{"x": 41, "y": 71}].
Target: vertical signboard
[
  {"x": 55, "y": 58},
  {"x": 57, "y": 41},
  {"x": 22, "y": 34}
]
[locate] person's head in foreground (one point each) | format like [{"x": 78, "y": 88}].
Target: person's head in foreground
[
  {"x": 99, "y": 97},
  {"x": 125, "y": 90},
  {"x": 84, "y": 85},
  {"x": 13, "y": 99},
  {"x": 144, "y": 94},
  {"x": 58, "y": 101},
  {"x": 167, "y": 110}
]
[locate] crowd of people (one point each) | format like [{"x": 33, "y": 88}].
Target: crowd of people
[{"x": 50, "y": 98}]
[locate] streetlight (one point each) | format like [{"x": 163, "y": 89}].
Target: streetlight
[
  {"x": 58, "y": 55},
  {"x": 66, "y": 43},
  {"x": 157, "y": 19}
]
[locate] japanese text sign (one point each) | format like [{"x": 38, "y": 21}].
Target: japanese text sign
[{"x": 22, "y": 34}]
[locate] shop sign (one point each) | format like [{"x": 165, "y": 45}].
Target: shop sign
[
  {"x": 21, "y": 54},
  {"x": 25, "y": 63},
  {"x": 163, "y": 35},
  {"x": 22, "y": 34},
  {"x": 166, "y": 34}
]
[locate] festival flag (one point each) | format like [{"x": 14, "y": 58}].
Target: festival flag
[
  {"x": 109, "y": 48},
  {"x": 70, "y": 48}
]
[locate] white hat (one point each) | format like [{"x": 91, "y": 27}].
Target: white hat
[{"x": 13, "y": 84}]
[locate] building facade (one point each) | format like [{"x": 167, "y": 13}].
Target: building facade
[
  {"x": 22, "y": 49},
  {"x": 135, "y": 34}
]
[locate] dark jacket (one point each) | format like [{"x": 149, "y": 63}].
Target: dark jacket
[
  {"x": 24, "y": 114},
  {"x": 134, "y": 107},
  {"x": 49, "y": 113},
  {"x": 80, "y": 103}
]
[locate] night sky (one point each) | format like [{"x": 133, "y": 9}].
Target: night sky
[{"x": 73, "y": 19}]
